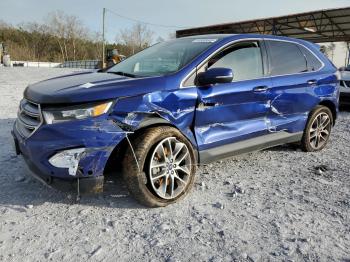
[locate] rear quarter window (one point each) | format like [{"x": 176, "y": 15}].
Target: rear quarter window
[{"x": 313, "y": 63}]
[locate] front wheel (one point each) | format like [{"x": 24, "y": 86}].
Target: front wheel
[
  {"x": 165, "y": 168},
  {"x": 318, "y": 129}
]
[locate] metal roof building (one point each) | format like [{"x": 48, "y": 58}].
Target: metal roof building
[{"x": 331, "y": 25}]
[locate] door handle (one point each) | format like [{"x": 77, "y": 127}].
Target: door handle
[
  {"x": 260, "y": 88},
  {"x": 312, "y": 82},
  {"x": 206, "y": 105}
]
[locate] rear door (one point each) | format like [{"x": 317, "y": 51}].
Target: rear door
[
  {"x": 293, "y": 71},
  {"x": 232, "y": 112}
]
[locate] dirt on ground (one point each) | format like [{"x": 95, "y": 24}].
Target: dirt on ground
[{"x": 273, "y": 205}]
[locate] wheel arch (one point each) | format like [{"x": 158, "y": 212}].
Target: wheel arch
[
  {"x": 332, "y": 107},
  {"x": 114, "y": 162}
]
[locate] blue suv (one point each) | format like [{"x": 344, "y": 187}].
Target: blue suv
[{"x": 158, "y": 114}]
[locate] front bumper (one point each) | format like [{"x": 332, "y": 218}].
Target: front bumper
[
  {"x": 85, "y": 185},
  {"x": 98, "y": 136}
]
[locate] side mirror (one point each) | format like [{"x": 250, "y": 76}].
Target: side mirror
[
  {"x": 215, "y": 76},
  {"x": 341, "y": 69}
]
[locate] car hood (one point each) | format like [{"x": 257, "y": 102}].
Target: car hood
[{"x": 90, "y": 86}]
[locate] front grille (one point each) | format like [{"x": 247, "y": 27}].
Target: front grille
[{"x": 28, "y": 118}]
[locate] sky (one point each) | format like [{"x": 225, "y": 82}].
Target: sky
[
  {"x": 173, "y": 15},
  {"x": 179, "y": 13}
]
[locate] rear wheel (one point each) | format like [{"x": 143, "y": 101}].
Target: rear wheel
[
  {"x": 165, "y": 168},
  {"x": 318, "y": 129}
]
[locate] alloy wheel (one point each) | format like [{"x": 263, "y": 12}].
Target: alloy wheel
[
  {"x": 170, "y": 168},
  {"x": 320, "y": 130}
]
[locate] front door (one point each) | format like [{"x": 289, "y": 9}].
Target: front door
[{"x": 230, "y": 113}]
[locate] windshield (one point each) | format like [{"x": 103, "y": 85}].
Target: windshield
[{"x": 163, "y": 58}]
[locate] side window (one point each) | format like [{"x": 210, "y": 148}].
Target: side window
[
  {"x": 244, "y": 59},
  {"x": 285, "y": 58},
  {"x": 313, "y": 64}
]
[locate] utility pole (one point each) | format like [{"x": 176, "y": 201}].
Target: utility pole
[{"x": 103, "y": 38}]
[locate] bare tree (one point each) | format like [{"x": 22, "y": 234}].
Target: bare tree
[
  {"x": 137, "y": 37},
  {"x": 96, "y": 38},
  {"x": 75, "y": 31},
  {"x": 57, "y": 27},
  {"x": 60, "y": 38},
  {"x": 36, "y": 38},
  {"x": 67, "y": 29}
]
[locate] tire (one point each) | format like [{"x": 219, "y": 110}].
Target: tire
[
  {"x": 317, "y": 130},
  {"x": 153, "y": 150}
]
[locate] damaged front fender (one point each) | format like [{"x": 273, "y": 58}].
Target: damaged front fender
[{"x": 176, "y": 108}]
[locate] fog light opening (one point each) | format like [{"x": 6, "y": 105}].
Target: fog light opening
[{"x": 68, "y": 159}]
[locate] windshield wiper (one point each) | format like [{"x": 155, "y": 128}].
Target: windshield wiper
[{"x": 122, "y": 73}]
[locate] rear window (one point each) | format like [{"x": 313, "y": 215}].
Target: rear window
[{"x": 286, "y": 58}]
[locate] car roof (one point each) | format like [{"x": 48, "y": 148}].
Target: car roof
[
  {"x": 221, "y": 36},
  {"x": 243, "y": 36},
  {"x": 231, "y": 37}
]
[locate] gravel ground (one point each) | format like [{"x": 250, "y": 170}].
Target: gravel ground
[{"x": 263, "y": 206}]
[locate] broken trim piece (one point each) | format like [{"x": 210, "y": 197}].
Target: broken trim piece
[
  {"x": 133, "y": 152},
  {"x": 68, "y": 159}
]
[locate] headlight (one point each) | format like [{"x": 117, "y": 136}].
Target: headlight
[{"x": 74, "y": 113}]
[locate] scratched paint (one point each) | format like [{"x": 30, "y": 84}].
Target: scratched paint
[
  {"x": 98, "y": 136},
  {"x": 209, "y": 116}
]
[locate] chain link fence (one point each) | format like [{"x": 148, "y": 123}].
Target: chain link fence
[{"x": 85, "y": 64}]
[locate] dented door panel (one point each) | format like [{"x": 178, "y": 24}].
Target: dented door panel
[
  {"x": 229, "y": 113},
  {"x": 291, "y": 99}
]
